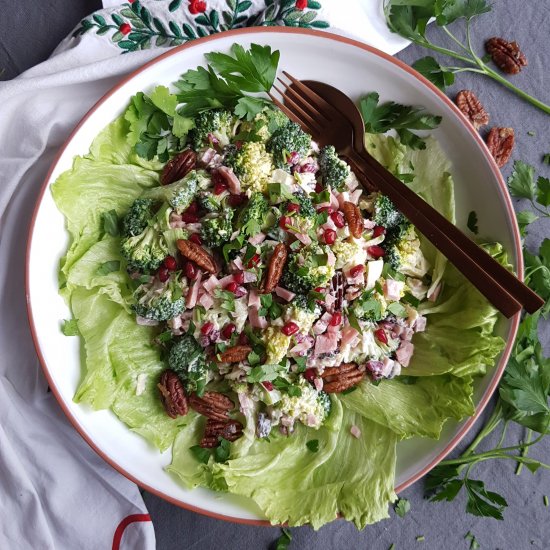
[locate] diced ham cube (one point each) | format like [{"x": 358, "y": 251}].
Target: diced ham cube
[
  {"x": 192, "y": 295},
  {"x": 404, "y": 353},
  {"x": 212, "y": 283},
  {"x": 393, "y": 289},
  {"x": 257, "y": 239},
  {"x": 326, "y": 343},
  {"x": 233, "y": 182},
  {"x": 206, "y": 300},
  {"x": 284, "y": 293}
]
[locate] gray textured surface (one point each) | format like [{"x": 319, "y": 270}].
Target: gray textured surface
[{"x": 30, "y": 30}]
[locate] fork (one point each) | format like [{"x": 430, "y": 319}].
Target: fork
[{"x": 330, "y": 126}]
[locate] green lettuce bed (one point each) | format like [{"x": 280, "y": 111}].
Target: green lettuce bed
[{"x": 353, "y": 477}]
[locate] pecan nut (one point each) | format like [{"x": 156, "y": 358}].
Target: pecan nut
[
  {"x": 234, "y": 354},
  {"x": 178, "y": 167},
  {"x": 275, "y": 269},
  {"x": 354, "y": 219},
  {"x": 212, "y": 404},
  {"x": 230, "y": 430},
  {"x": 500, "y": 142},
  {"x": 339, "y": 379},
  {"x": 472, "y": 108},
  {"x": 172, "y": 394},
  {"x": 337, "y": 290},
  {"x": 506, "y": 55},
  {"x": 196, "y": 253}
]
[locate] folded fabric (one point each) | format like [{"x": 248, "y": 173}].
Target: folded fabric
[{"x": 55, "y": 491}]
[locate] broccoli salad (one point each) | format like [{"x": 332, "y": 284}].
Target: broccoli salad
[{"x": 274, "y": 279}]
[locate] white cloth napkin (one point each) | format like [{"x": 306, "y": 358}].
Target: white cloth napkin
[{"x": 55, "y": 492}]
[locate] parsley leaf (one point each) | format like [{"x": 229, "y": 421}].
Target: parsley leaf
[
  {"x": 434, "y": 72},
  {"x": 200, "y": 454},
  {"x": 482, "y": 502},
  {"x": 226, "y": 81},
  {"x": 447, "y": 11},
  {"x": 402, "y": 506},
  {"x": 221, "y": 453},
  {"x": 264, "y": 373},
  {"x": 402, "y": 118},
  {"x": 284, "y": 540},
  {"x": 546, "y": 158},
  {"x": 474, "y": 545},
  {"x": 472, "y": 222},
  {"x": 525, "y": 218},
  {"x": 543, "y": 191},
  {"x": 522, "y": 181},
  {"x": 69, "y": 327}
]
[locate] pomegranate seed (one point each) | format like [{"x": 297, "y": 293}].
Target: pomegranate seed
[
  {"x": 193, "y": 208},
  {"x": 293, "y": 207},
  {"x": 290, "y": 328},
  {"x": 219, "y": 188},
  {"x": 338, "y": 219},
  {"x": 236, "y": 200},
  {"x": 284, "y": 222},
  {"x": 253, "y": 261},
  {"x": 227, "y": 331},
  {"x": 318, "y": 188},
  {"x": 231, "y": 287},
  {"x": 191, "y": 271},
  {"x": 170, "y": 263},
  {"x": 267, "y": 385},
  {"x": 330, "y": 236},
  {"x": 310, "y": 375},
  {"x": 163, "y": 274},
  {"x": 319, "y": 289},
  {"x": 376, "y": 251},
  {"x": 355, "y": 271},
  {"x": 381, "y": 335},
  {"x": 196, "y": 238},
  {"x": 188, "y": 217},
  {"x": 336, "y": 319},
  {"x": 377, "y": 231},
  {"x": 207, "y": 328},
  {"x": 328, "y": 209},
  {"x": 243, "y": 339},
  {"x": 239, "y": 277}
]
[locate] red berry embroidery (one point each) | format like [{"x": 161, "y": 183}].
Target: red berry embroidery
[
  {"x": 197, "y": 6},
  {"x": 125, "y": 29},
  {"x": 301, "y": 4}
]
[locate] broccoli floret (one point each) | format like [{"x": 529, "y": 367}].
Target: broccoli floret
[
  {"x": 403, "y": 252},
  {"x": 385, "y": 213},
  {"x": 306, "y": 270},
  {"x": 143, "y": 244},
  {"x": 159, "y": 304},
  {"x": 370, "y": 306},
  {"x": 303, "y": 220},
  {"x": 285, "y": 140},
  {"x": 211, "y": 202},
  {"x": 324, "y": 400},
  {"x": 217, "y": 229},
  {"x": 252, "y": 164},
  {"x": 303, "y": 311},
  {"x": 252, "y": 216},
  {"x": 264, "y": 124},
  {"x": 180, "y": 194},
  {"x": 214, "y": 127},
  {"x": 189, "y": 361},
  {"x": 348, "y": 254},
  {"x": 334, "y": 170}
]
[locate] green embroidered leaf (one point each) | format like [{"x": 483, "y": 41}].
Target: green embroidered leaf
[
  {"x": 174, "y": 5},
  {"x": 243, "y": 6},
  {"x": 117, "y": 19},
  {"x": 201, "y": 20},
  {"x": 176, "y": 30},
  {"x": 308, "y": 17},
  {"x": 214, "y": 19},
  {"x": 313, "y": 5},
  {"x": 117, "y": 37},
  {"x": 320, "y": 25},
  {"x": 159, "y": 25},
  {"x": 100, "y": 20},
  {"x": 102, "y": 30}
]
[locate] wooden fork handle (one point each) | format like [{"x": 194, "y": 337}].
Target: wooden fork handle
[{"x": 476, "y": 265}]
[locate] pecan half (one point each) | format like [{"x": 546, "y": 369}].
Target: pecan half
[
  {"x": 172, "y": 394},
  {"x": 178, "y": 167},
  {"x": 275, "y": 269},
  {"x": 354, "y": 219},
  {"x": 234, "y": 354},
  {"x": 196, "y": 253},
  {"x": 228, "y": 429},
  {"x": 500, "y": 142},
  {"x": 506, "y": 55},
  {"x": 212, "y": 404},
  {"x": 472, "y": 108},
  {"x": 339, "y": 379}
]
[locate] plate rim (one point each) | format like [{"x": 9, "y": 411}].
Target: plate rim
[{"x": 499, "y": 369}]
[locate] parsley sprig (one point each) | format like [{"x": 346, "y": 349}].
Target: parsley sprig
[
  {"x": 409, "y": 18},
  {"x": 524, "y": 389}
]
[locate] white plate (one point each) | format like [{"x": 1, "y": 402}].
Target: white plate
[{"x": 356, "y": 69}]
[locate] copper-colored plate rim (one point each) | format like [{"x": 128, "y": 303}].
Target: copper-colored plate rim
[{"x": 327, "y": 36}]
